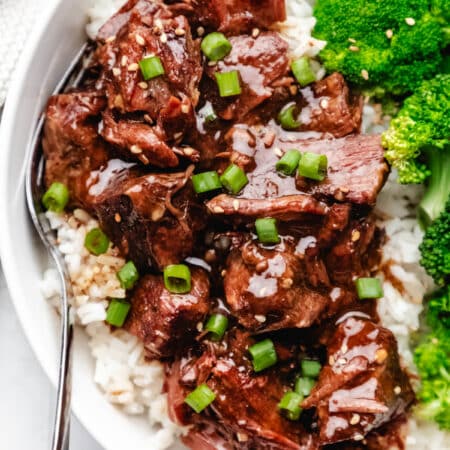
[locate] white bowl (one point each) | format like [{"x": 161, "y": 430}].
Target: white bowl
[{"x": 56, "y": 40}]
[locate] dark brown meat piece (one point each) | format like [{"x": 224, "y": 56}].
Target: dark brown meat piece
[
  {"x": 356, "y": 168},
  {"x": 245, "y": 413},
  {"x": 363, "y": 386},
  {"x": 167, "y": 322},
  {"x": 153, "y": 219},
  {"x": 286, "y": 287},
  {"x": 328, "y": 106},
  {"x": 232, "y": 16},
  {"x": 260, "y": 62},
  {"x": 72, "y": 147},
  {"x": 138, "y": 141},
  {"x": 145, "y": 28},
  {"x": 286, "y": 208}
]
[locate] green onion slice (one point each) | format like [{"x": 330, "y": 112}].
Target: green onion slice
[
  {"x": 56, "y": 197},
  {"x": 151, "y": 67},
  {"x": 216, "y": 46},
  {"x": 228, "y": 83},
  {"x": 267, "y": 231},
  {"x": 369, "y": 288},
  {"x": 117, "y": 312},
  {"x": 96, "y": 242},
  {"x": 234, "y": 179},
  {"x": 128, "y": 275},
  {"x": 200, "y": 398},
  {"x": 302, "y": 71},
  {"x": 310, "y": 368},
  {"x": 217, "y": 325},
  {"x": 286, "y": 117},
  {"x": 206, "y": 182},
  {"x": 304, "y": 385},
  {"x": 177, "y": 278},
  {"x": 290, "y": 405},
  {"x": 313, "y": 166},
  {"x": 263, "y": 355},
  {"x": 288, "y": 162}
]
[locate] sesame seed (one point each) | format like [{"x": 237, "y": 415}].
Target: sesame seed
[
  {"x": 242, "y": 422},
  {"x": 118, "y": 101},
  {"x": 365, "y": 74},
  {"x": 148, "y": 119},
  {"x": 158, "y": 23},
  {"x": 355, "y": 235},
  {"x": 200, "y": 31},
  {"x": 410, "y": 21},
  {"x": 143, "y": 85},
  {"x": 218, "y": 209},
  {"x": 260, "y": 318},
  {"x": 355, "y": 419},
  {"x": 389, "y": 34},
  {"x": 223, "y": 273},
  {"x": 124, "y": 60},
  {"x": 331, "y": 360},
  {"x": 278, "y": 151},
  {"x": 381, "y": 355},
  {"x": 180, "y": 32},
  {"x": 242, "y": 437},
  {"x": 397, "y": 390},
  {"x": 177, "y": 136},
  {"x": 200, "y": 327},
  {"x": 354, "y": 48},
  {"x": 143, "y": 159},
  {"x": 287, "y": 283},
  {"x": 353, "y": 41},
  {"x": 135, "y": 149},
  {"x": 212, "y": 63},
  {"x": 188, "y": 151},
  {"x": 255, "y": 32},
  {"x": 344, "y": 189},
  {"x": 157, "y": 213},
  {"x": 342, "y": 361},
  {"x": 117, "y": 218},
  {"x": 324, "y": 103},
  {"x": 163, "y": 38},
  {"x": 185, "y": 108},
  {"x": 358, "y": 437},
  {"x": 140, "y": 40},
  {"x": 111, "y": 39},
  {"x": 293, "y": 89},
  {"x": 344, "y": 348},
  {"x": 235, "y": 205},
  {"x": 116, "y": 71},
  {"x": 133, "y": 67}
]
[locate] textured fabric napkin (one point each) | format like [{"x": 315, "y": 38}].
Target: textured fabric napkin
[{"x": 17, "y": 18}]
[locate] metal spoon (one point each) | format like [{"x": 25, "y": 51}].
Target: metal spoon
[{"x": 34, "y": 187}]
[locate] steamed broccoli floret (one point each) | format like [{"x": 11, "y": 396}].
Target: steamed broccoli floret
[
  {"x": 435, "y": 249},
  {"x": 432, "y": 358},
  {"x": 417, "y": 143},
  {"x": 387, "y": 45}
]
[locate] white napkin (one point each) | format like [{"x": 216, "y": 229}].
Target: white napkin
[{"x": 17, "y": 18}]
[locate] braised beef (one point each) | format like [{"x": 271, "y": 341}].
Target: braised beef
[
  {"x": 127, "y": 148},
  {"x": 232, "y": 16},
  {"x": 245, "y": 413},
  {"x": 363, "y": 386},
  {"x": 166, "y": 322},
  {"x": 153, "y": 219}
]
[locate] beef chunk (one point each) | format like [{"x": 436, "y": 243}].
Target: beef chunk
[
  {"x": 287, "y": 208},
  {"x": 167, "y": 322},
  {"x": 138, "y": 141},
  {"x": 72, "y": 147},
  {"x": 232, "y": 16},
  {"x": 286, "y": 287},
  {"x": 149, "y": 29},
  {"x": 356, "y": 168},
  {"x": 328, "y": 107},
  {"x": 152, "y": 219},
  {"x": 260, "y": 62},
  {"x": 244, "y": 414},
  {"x": 363, "y": 386}
]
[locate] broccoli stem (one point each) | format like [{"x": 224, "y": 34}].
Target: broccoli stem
[{"x": 438, "y": 188}]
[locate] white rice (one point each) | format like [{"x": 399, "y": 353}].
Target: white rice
[{"x": 134, "y": 384}]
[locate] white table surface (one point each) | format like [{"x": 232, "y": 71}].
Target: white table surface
[{"x": 27, "y": 397}]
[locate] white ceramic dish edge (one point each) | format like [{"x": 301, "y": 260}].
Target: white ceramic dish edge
[{"x": 53, "y": 44}]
